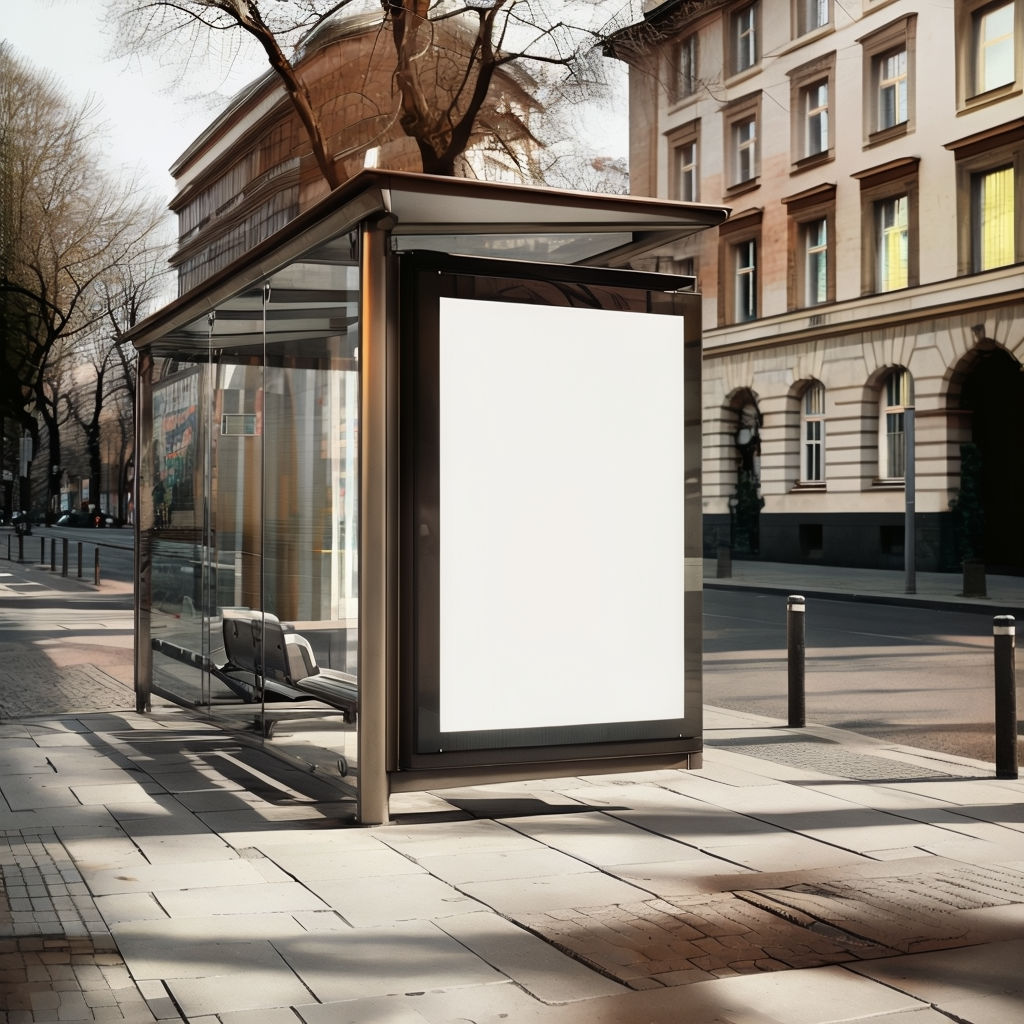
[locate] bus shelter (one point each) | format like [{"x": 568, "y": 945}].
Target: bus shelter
[{"x": 418, "y": 492}]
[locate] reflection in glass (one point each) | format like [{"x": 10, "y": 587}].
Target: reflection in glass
[{"x": 253, "y": 502}]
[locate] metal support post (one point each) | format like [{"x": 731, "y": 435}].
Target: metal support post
[
  {"x": 42, "y": 550},
  {"x": 79, "y": 559},
  {"x": 96, "y": 567},
  {"x": 53, "y": 554},
  {"x": 64, "y": 556},
  {"x": 1003, "y": 630},
  {"x": 910, "y": 504},
  {"x": 796, "y": 645}
]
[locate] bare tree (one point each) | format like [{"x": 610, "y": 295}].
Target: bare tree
[
  {"x": 447, "y": 53},
  {"x": 68, "y": 225}
]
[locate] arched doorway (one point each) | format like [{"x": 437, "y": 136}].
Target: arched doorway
[{"x": 993, "y": 392}]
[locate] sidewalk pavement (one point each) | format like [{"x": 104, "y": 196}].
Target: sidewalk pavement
[{"x": 157, "y": 868}]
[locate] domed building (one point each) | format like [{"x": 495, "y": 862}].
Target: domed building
[{"x": 252, "y": 170}]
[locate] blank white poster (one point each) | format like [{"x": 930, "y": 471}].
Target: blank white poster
[{"x": 561, "y": 511}]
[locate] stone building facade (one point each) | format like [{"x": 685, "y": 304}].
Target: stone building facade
[{"x": 872, "y": 153}]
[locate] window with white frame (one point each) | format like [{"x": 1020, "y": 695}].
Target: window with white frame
[
  {"x": 684, "y": 153},
  {"x": 744, "y": 141},
  {"x": 815, "y": 107},
  {"x": 989, "y": 45},
  {"x": 811, "y": 91},
  {"x": 896, "y": 394},
  {"x": 685, "y": 68},
  {"x": 740, "y": 124},
  {"x": 812, "y": 433},
  {"x": 743, "y": 37},
  {"x": 738, "y": 273},
  {"x": 812, "y": 15},
  {"x": 686, "y": 171},
  {"x": 889, "y": 228},
  {"x": 810, "y": 237},
  {"x": 992, "y": 45},
  {"x": 889, "y": 58},
  {"x": 990, "y": 220}
]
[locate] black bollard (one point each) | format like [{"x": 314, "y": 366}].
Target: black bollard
[
  {"x": 63, "y": 556},
  {"x": 21, "y": 548},
  {"x": 1003, "y": 630},
  {"x": 53, "y": 554},
  {"x": 724, "y": 566},
  {"x": 79, "y": 559},
  {"x": 796, "y": 645},
  {"x": 42, "y": 550},
  {"x": 96, "y": 567}
]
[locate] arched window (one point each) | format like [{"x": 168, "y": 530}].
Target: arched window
[
  {"x": 896, "y": 394},
  {"x": 812, "y": 434}
]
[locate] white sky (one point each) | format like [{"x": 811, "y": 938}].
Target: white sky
[{"x": 147, "y": 122}]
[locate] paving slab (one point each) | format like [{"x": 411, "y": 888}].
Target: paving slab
[
  {"x": 263, "y": 981},
  {"x": 408, "y": 957},
  {"x": 221, "y": 900},
  {"x": 533, "y": 964},
  {"x": 982, "y": 983},
  {"x": 382, "y": 900}
]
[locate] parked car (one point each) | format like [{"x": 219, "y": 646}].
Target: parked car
[{"x": 86, "y": 519}]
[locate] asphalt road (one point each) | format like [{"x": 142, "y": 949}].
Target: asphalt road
[
  {"x": 116, "y": 547},
  {"x": 905, "y": 675}
]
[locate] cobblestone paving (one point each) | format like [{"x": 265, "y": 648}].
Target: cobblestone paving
[
  {"x": 912, "y": 913},
  {"x": 31, "y": 684},
  {"x": 678, "y": 941},
  {"x": 58, "y": 961}
]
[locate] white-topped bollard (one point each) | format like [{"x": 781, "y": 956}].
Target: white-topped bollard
[{"x": 796, "y": 647}]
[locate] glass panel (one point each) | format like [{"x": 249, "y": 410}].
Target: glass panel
[
  {"x": 310, "y": 568},
  {"x": 893, "y": 266},
  {"x": 817, "y": 118},
  {"x": 686, "y": 155},
  {"x": 895, "y": 445},
  {"x": 892, "y": 89},
  {"x": 253, "y": 510},
  {"x": 745, "y": 39},
  {"x": 746, "y": 281},
  {"x": 994, "y": 42},
  {"x": 817, "y": 262},
  {"x": 745, "y": 135},
  {"x": 994, "y": 218}
]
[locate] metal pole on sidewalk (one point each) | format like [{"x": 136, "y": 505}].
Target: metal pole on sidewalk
[
  {"x": 53, "y": 554},
  {"x": 796, "y": 645},
  {"x": 63, "y": 556},
  {"x": 910, "y": 503},
  {"x": 42, "y": 550},
  {"x": 21, "y": 548},
  {"x": 1003, "y": 630},
  {"x": 79, "y": 559},
  {"x": 96, "y": 567}
]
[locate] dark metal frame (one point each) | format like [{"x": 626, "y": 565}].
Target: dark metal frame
[{"x": 426, "y": 278}]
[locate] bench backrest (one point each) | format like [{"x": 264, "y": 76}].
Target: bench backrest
[{"x": 254, "y": 641}]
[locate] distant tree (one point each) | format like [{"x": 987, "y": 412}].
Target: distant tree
[
  {"x": 447, "y": 53},
  {"x": 67, "y": 227}
]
